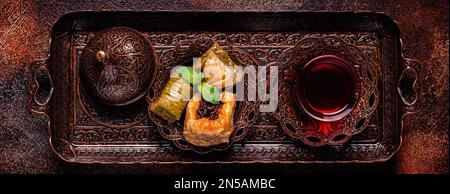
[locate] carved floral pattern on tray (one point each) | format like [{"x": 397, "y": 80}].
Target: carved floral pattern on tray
[
  {"x": 263, "y": 39},
  {"x": 266, "y": 48}
]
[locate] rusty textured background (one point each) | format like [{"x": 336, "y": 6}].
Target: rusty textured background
[{"x": 24, "y": 36}]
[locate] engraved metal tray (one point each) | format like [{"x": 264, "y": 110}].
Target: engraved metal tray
[{"x": 80, "y": 132}]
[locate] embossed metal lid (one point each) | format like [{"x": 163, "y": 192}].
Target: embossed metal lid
[{"x": 118, "y": 66}]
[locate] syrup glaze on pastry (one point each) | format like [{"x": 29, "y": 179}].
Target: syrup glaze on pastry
[
  {"x": 203, "y": 131},
  {"x": 219, "y": 69},
  {"x": 172, "y": 102},
  {"x": 211, "y": 123}
]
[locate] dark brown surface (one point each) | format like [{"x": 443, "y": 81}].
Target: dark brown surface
[{"x": 25, "y": 30}]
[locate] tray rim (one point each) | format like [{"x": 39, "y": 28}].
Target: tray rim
[{"x": 401, "y": 113}]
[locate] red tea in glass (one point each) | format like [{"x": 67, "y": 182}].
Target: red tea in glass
[{"x": 327, "y": 88}]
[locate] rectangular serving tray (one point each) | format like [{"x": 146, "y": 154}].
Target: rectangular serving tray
[{"x": 76, "y": 137}]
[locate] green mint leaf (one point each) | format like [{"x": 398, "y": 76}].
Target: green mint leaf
[
  {"x": 189, "y": 74},
  {"x": 209, "y": 93}
]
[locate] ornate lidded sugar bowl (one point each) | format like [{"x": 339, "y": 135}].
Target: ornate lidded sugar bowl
[{"x": 118, "y": 66}]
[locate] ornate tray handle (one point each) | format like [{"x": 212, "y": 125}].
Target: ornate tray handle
[
  {"x": 410, "y": 86},
  {"x": 40, "y": 88}
]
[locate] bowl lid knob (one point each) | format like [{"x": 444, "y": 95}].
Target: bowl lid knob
[{"x": 101, "y": 56}]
